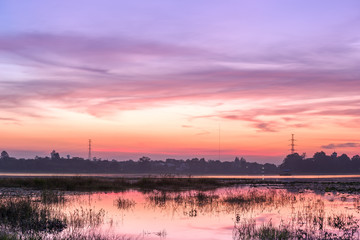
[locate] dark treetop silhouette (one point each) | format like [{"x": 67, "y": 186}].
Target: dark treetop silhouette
[{"x": 293, "y": 163}]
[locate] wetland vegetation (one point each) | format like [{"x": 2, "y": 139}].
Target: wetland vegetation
[
  {"x": 113, "y": 184},
  {"x": 171, "y": 183},
  {"x": 117, "y": 208}
]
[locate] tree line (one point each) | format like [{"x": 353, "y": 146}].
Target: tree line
[{"x": 320, "y": 163}]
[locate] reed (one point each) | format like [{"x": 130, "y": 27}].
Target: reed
[
  {"x": 25, "y": 215},
  {"x": 52, "y": 197},
  {"x": 126, "y": 204}
]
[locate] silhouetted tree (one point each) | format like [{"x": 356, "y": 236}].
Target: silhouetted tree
[
  {"x": 320, "y": 156},
  {"x": 55, "y": 155},
  {"x": 292, "y": 162},
  {"x": 355, "y": 162},
  {"x": 4, "y": 155}
]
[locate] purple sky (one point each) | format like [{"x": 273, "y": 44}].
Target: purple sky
[{"x": 265, "y": 68}]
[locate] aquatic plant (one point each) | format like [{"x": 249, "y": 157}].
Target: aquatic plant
[
  {"x": 115, "y": 184},
  {"x": 73, "y": 235},
  {"x": 339, "y": 227},
  {"x": 7, "y": 236},
  {"x": 159, "y": 199},
  {"x": 52, "y": 197},
  {"x": 21, "y": 213},
  {"x": 203, "y": 199},
  {"x": 67, "y": 183},
  {"x": 246, "y": 200},
  {"x": 81, "y": 218},
  {"x": 347, "y": 225},
  {"x": 168, "y": 183},
  {"x": 89, "y": 235},
  {"x": 122, "y": 203}
]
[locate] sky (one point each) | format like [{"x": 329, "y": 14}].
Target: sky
[{"x": 179, "y": 79}]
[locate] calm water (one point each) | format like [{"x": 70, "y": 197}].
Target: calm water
[
  {"x": 352, "y": 176},
  {"x": 219, "y": 214}
]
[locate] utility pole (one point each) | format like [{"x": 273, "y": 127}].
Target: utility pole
[
  {"x": 292, "y": 144},
  {"x": 89, "y": 149}
]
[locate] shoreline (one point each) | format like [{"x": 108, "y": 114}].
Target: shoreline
[
  {"x": 170, "y": 175},
  {"x": 115, "y": 184}
]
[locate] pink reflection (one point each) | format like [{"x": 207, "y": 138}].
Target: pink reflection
[{"x": 190, "y": 215}]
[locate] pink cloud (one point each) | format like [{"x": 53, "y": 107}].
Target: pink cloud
[
  {"x": 89, "y": 83},
  {"x": 341, "y": 145}
]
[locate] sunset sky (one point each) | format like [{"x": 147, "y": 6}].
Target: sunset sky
[{"x": 160, "y": 78}]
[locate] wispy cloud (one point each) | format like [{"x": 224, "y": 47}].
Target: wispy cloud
[
  {"x": 341, "y": 145},
  {"x": 265, "y": 127},
  {"x": 98, "y": 55},
  {"x": 7, "y": 120},
  {"x": 104, "y": 75}
]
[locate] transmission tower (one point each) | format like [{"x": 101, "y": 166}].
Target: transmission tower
[
  {"x": 89, "y": 149},
  {"x": 292, "y": 144}
]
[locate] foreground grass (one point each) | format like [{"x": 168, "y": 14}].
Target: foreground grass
[
  {"x": 346, "y": 227},
  {"x": 31, "y": 216},
  {"x": 7, "y": 236},
  {"x": 22, "y": 214},
  {"x": 71, "y": 236},
  {"x": 32, "y": 219}
]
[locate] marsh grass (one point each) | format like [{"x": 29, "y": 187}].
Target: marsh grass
[
  {"x": 337, "y": 226},
  {"x": 25, "y": 215},
  {"x": 177, "y": 184},
  {"x": 92, "y": 236},
  {"x": 248, "y": 230},
  {"x": 7, "y": 236},
  {"x": 161, "y": 233},
  {"x": 204, "y": 198},
  {"x": 190, "y": 203},
  {"x": 67, "y": 183},
  {"x": 307, "y": 220},
  {"x": 35, "y": 218},
  {"x": 347, "y": 224},
  {"x": 251, "y": 199},
  {"x": 259, "y": 196},
  {"x": 160, "y": 199},
  {"x": 103, "y": 184},
  {"x": 122, "y": 203},
  {"x": 193, "y": 202},
  {"x": 198, "y": 198},
  {"x": 81, "y": 218},
  {"x": 167, "y": 183},
  {"x": 74, "y": 235},
  {"x": 52, "y": 197}
]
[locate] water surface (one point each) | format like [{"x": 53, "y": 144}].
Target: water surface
[
  {"x": 274, "y": 177},
  {"x": 219, "y": 214}
]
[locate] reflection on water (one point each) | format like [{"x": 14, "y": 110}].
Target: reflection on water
[{"x": 228, "y": 213}]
